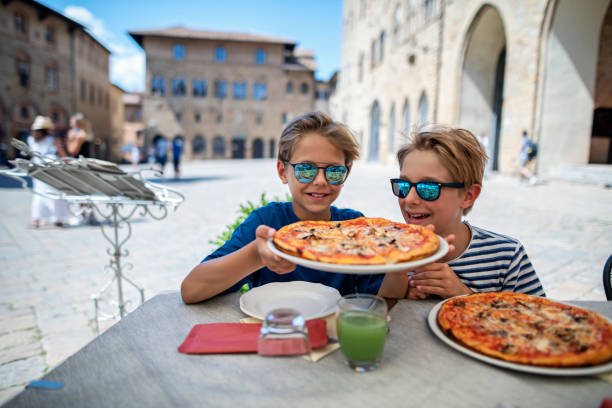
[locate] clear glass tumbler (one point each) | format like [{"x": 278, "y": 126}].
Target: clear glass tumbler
[
  {"x": 361, "y": 320},
  {"x": 283, "y": 332}
]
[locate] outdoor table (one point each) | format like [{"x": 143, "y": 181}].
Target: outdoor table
[{"x": 136, "y": 363}]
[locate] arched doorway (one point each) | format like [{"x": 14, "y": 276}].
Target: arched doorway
[
  {"x": 238, "y": 147},
  {"x": 272, "y": 148},
  {"x": 198, "y": 146},
  {"x": 571, "y": 53},
  {"x": 482, "y": 79},
  {"x": 601, "y": 132},
  {"x": 374, "y": 131},
  {"x": 406, "y": 118},
  {"x": 423, "y": 110},
  {"x": 257, "y": 148},
  {"x": 218, "y": 146}
]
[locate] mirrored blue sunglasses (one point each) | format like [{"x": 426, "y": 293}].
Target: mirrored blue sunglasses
[
  {"x": 427, "y": 190},
  {"x": 307, "y": 172}
]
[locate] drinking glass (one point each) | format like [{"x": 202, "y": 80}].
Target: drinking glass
[
  {"x": 361, "y": 320},
  {"x": 283, "y": 332}
]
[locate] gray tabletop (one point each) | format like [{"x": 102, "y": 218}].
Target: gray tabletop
[{"x": 136, "y": 363}]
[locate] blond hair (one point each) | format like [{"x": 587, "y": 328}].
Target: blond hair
[
  {"x": 323, "y": 125},
  {"x": 458, "y": 149}
]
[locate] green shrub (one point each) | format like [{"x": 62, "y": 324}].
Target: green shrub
[{"x": 243, "y": 213}]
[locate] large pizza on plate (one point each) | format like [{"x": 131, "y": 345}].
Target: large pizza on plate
[
  {"x": 360, "y": 241},
  {"x": 526, "y": 329}
]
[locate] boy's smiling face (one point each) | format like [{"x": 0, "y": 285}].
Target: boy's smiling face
[
  {"x": 311, "y": 201},
  {"x": 445, "y": 212}
]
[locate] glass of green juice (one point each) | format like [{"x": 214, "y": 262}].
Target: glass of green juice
[{"x": 361, "y": 320}]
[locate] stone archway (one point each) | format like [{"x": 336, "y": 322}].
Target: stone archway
[
  {"x": 570, "y": 56},
  {"x": 601, "y": 132},
  {"x": 482, "y": 79}
]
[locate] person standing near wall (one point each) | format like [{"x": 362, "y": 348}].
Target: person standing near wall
[
  {"x": 528, "y": 152},
  {"x": 45, "y": 210},
  {"x": 177, "y": 149}
]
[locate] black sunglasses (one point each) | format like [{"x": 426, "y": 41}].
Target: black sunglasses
[
  {"x": 307, "y": 172},
  {"x": 427, "y": 190}
]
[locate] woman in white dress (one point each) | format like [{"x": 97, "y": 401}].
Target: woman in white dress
[{"x": 45, "y": 210}]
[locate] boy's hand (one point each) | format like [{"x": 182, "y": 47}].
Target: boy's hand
[
  {"x": 273, "y": 262},
  {"x": 437, "y": 279}
]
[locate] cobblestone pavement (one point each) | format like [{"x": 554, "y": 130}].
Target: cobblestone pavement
[{"x": 48, "y": 275}]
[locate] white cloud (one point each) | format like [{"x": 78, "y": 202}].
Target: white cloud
[
  {"x": 85, "y": 17},
  {"x": 128, "y": 71},
  {"x": 127, "y": 67}
]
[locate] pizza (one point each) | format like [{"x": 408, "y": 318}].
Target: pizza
[
  {"x": 360, "y": 241},
  {"x": 526, "y": 329}
]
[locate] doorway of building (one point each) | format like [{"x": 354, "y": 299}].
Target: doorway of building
[
  {"x": 482, "y": 81},
  {"x": 257, "y": 148},
  {"x": 238, "y": 148}
]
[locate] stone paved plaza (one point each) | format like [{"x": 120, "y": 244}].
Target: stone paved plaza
[{"x": 48, "y": 275}]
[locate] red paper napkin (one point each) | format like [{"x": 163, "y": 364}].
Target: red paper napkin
[{"x": 214, "y": 338}]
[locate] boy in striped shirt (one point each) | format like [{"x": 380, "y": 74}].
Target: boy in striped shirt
[{"x": 445, "y": 166}]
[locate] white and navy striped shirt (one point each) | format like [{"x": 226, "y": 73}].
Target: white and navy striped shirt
[{"x": 494, "y": 263}]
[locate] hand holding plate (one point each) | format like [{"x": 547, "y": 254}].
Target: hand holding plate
[{"x": 273, "y": 262}]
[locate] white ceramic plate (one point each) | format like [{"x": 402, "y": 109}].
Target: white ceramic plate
[
  {"x": 363, "y": 269},
  {"x": 312, "y": 300},
  {"x": 432, "y": 320}
]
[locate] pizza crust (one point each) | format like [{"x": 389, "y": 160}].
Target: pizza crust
[
  {"x": 526, "y": 329},
  {"x": 359, "y": 241}
]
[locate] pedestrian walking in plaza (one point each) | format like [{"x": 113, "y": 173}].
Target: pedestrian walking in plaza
[
  {"x": 78, "y": 143},
  {"x": 161, "y": 152},
  {"x": 528, "y": 152},
  {"x": 177, "y": 149},
  {"x": 45, "y": 210}
]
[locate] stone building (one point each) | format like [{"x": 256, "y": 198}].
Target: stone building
[
  {"x": 227, "y": 95},
  {"x": 496, "y": 67},
  {"x": 50, "y": 65}
]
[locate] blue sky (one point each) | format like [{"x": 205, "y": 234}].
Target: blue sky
[{"x": 314, "y": 24}]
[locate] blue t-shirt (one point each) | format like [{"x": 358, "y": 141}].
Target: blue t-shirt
[{"x": 277, "y": 215}]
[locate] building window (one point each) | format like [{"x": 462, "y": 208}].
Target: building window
[
  {"x": 92, "y": 94},
  {"x": 287, "y": 117},
  {"x": 49, "y": 35},
  {"x": 178, "y": 52},
  {"x": 321, "y": 94},
  {"x": 178, "y": 116},
  {"x": 99, "y": 96},
  {"x": 260, "y": 91},
  {"x": 219, "y": 117},
  {"x": 198, "y": 145},
  {"x": 51, "y": 78},
  {"x": 220, "y": 54},
  {"x": 289, "y": 87},
  {"x": 83, "y": 90},
  {"x": 406, "y": 118},
  {"x": 197, "y": 118},
  {"x": 272, "y": 148},
  {"x": 381, "y": 47},
  {"x": 23, "y": 71},
  {"x": 220, "y": 89},
  {"x": 178, "y": 87},
  {"x": 240, "y": 90},
  {"x": 199, "y": 87},
  {"x": 158, "y": 85},
  {"x": 304, "y": 88},
  {"x": 20, "y": 23},
  {"x": 260, "y": 57},
  {"x": 258, "y": 120}
]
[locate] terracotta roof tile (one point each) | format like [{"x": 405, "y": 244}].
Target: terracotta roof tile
[{"x": 183, "y": 32}]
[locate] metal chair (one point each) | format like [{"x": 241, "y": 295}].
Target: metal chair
[{"x": 607, "y": 278}]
